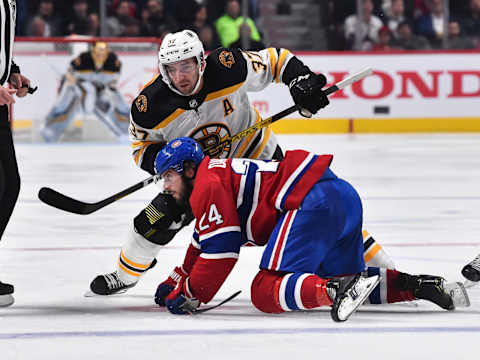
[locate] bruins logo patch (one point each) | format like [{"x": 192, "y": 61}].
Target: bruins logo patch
[
  {"x": 141, "y": 103},
  {"x": 209, "y": 136},
  {"x": 226, "y": 58}
]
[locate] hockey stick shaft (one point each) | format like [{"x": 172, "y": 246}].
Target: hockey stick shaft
[
  {"x": 199, "y": 311},
  {"x": 63, "y": 202},
  {"x": 264, "y": 123}
]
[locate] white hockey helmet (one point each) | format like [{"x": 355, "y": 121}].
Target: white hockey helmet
[{"x": 180, "y": 46}]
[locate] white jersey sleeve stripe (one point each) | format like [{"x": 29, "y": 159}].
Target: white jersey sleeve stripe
[
  {"x": 291, "y": 179},
  {"x": 220, "y": 231},
  {"x": 228, "y": 255}
]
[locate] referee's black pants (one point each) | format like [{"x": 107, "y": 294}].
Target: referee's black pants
[{"x": 9, "y": 176}]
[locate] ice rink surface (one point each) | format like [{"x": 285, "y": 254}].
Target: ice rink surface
[{"x": 421, "y": 197}]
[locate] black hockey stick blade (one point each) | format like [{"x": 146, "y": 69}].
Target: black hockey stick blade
[
  {"x": 63, "y": 202},
  {"x": 199, "y": 311},
  {"x": 66, "y": 203}
]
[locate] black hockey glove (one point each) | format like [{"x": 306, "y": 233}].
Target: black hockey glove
[{"x": 306, "y": 91}]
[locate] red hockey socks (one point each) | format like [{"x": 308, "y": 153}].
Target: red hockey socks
[{"x": 275, "y": 292}]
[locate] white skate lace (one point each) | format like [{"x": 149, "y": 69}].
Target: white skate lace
[
  {"x": 475, "y": 263},
  {"x": 113, "y": 282}
]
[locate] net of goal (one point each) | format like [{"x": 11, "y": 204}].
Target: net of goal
[{"x": 85, "y": 87}]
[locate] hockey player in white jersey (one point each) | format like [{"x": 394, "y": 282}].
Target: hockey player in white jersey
[
  {"x": 204, "y": 98},
  {"x": 89, "y": 88}
]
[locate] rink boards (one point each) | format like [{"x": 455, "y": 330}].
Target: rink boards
[{"x": 408, "y": 92}]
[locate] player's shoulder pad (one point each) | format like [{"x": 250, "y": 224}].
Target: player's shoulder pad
[
  {"x": 154, "y": 104},
  {"x": 83, "y": 61},
  {"x": 225, "y": 67},
  {"x": 112, "y": 63}
]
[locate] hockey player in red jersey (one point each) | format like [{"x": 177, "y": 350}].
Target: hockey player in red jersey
[
  {"x": 205, "y": 98},
  {"x": 308, "y": 219}
]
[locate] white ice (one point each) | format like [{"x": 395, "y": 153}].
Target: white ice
[{"x": 421, "y": 196}]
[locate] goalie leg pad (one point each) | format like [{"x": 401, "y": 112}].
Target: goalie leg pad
[
  {"x": 161, "y": 220},
  {"x": 275, "y": 292}
]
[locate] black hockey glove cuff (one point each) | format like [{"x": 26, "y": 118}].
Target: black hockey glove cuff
[{"x": 306, "y": 91}]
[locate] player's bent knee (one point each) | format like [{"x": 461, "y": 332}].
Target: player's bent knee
[
  {"x": 264, "y": 292},
  {"x": 158, "y": 234},
  {"x": 154, "y": 222}
]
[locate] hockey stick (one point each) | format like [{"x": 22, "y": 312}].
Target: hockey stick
[
  {"x": 264, "y": 123},
  {"x": 63, "y": 202},
  {"x": 199, "y": 311}
]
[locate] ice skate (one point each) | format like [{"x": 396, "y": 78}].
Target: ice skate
[
  {"x": 458, "y": 293},
  {"x": 434, "y": 289},
  {"x": 349, "y": 293},
  {"x": 471, "y": 271},
  {"x": 6, "y": 295},
  {"x": 108, "y": 284}
]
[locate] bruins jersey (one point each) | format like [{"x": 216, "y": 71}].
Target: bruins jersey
[
  {"x": 85, "y": 62},
  {"x": 219, "y": 110}
]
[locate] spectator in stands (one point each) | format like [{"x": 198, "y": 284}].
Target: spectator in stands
[
  {"x": 430, "y": 25},
  {"x": 200, "y": 19},
  {"x": 252, "y": 44},
  {"x": 397, "y": 15},
  {"x": 407, "y": 40},
  {"x": 388, "y": 8},
  {"x": 384, "y": 42},
  {"x": 93, "y": 25},
  {"x": 455, "y": 38},
  {"x": 155, "y": 20},
  {"x": 131, "y": 28},
  {"x": 115, "y": 25},
  {"x": 186, "y": 12},
  {"x": 361, "y": 35},
  {"x": 37, "y": 27},
  {"x": 209, "y": 38},
  {"x": 228, "y": 25},
  {"x": 77, "y": 22},
  {"x": 471, "y": 22},
  {"x": 46, "y": 13}
]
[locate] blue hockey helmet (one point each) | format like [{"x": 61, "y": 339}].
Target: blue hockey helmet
[{"x": 176, "y": 152}]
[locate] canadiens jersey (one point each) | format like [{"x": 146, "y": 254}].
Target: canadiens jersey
[
  {"x": 219, "y": 110},
  {"x": 238, "y": 202}
]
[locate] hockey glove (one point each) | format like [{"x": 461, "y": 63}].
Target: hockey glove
[
  {"x": 165, "y": 288},
  {"x": 181, "y": 301},
  {"x": 306, "y": 91}
]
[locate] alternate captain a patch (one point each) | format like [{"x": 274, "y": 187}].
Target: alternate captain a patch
[
  {"x": 141, "y": 103},
  {"x": 226, "y": 58}
]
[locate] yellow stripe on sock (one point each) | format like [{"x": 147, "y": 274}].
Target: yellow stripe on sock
[
  {"x": 128, "y": 271},
  {"x": 371, "y": 254},
  {"x": 131, "y": 263}
]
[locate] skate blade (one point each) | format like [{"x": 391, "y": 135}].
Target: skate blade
[
  {"x": 6, "y": 300},
  {"x": 90, "y": 293}
]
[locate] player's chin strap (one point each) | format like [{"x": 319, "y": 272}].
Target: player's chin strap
[{"x": 63, "y": 202}]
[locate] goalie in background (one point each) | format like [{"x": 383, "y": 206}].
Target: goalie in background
[{"x": 89, "y": 88}]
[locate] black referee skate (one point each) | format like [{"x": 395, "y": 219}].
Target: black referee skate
[
  {"x": 348, "y": 293},
  {"x": 6, "y": 297},
  {"x": 434, "y": 289},
  {"x": 471, "y": 271}
]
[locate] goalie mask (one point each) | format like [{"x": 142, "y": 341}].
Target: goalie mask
[
  {"x": 180, "y": 46},
  {"x": 99, "y": 54}
]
